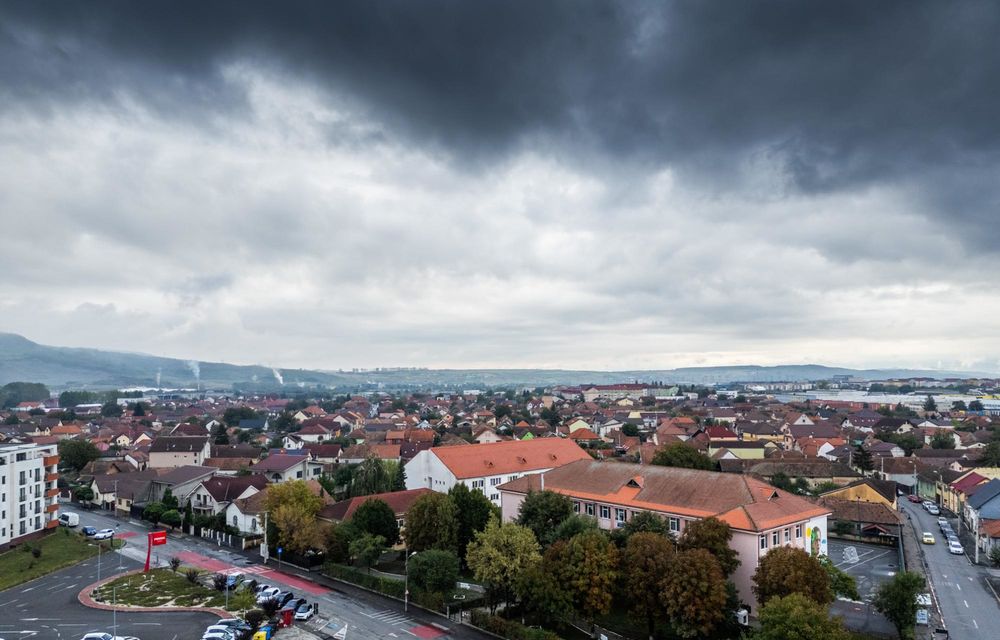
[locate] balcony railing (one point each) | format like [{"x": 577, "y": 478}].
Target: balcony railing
[
  {"x": 51, "y": 477},
  {"x": 50, "y": 461},
  {"x": 52, "y": 508},
  {"x": 51, "y": 493}
]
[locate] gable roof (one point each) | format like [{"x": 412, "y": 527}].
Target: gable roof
[
  {"x": 500, "y": 458},
  {"x": 185, "y": 474},
  {"x": 228, "y": 488},
  {"x": 179, "y": 444},
  {"x": 741, "y": 501},
  {"x": 279, "y": 462},
  {"x": 399, "y": 501},
  {"x": 985, "y": 493}
]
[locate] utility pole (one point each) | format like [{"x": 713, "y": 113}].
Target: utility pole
[{"x": 114, "y": 611}]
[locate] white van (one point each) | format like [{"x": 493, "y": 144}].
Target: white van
[{"x": 69, "y": 519}]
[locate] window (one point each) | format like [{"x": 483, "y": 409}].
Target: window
[
  {"x": 675, "y": 524},
  {"x": 478, "y": 484},
  {"x": 775, "y": 539},
  {"x": 576, "y": 507},
  {"x": 788, "y": 535},
  {"x": 298, "y": 474},
  {"x": 798, "y": 531},
  {"x": 509, "y": 478},
  {"x": 316, "y": 470},
  {"x": 620, "y": 515},
  {"x": 495, "y": 481},
  {"x": 236, "y": 521},
  {"x": 763, "y": 542},
  {"x": 590, "y": 508},
  {"x": 605, "y": 511},
  {"x": 20, "y": 479},
  {"x": 495, "y": 497}
]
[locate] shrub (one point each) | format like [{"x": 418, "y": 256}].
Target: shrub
[
  {"x": 36, "y": 552},
  {"x": 434, "y": 570},
  {"x": 192, "y": 575},
  {"x": 219, "y": 581},
  {"x": 254, "y": 617},
  {"x": 508, "y": 628},
  {"x": 175, "y": 564}
]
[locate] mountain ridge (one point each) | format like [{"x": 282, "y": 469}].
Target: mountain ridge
[{"x": 83, "y": 368}]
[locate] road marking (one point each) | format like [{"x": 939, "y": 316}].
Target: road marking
[
  {"x": 966, "y": 603},
  {"x": 974, "y": 623},
  {"x": 958, "y": 586}
]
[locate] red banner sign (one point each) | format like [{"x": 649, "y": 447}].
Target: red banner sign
[{"x": 156, "y": 538}]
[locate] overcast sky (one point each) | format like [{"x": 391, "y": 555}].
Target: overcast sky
[{"x": 495, "y": 184}]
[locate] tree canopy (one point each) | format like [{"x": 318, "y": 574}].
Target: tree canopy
[
  {"x": 473, "y": 510},
  {"x": 712, "y": 535},
  {"x": 589, "y": 570},
  {"x": 645, "y": 562},
  {"x": 500, "y": 554},
  {"x": 682, "y": 455},
  {"x": 797, "y": 617},
  {"x": 377, "y": 518},
  {"x": 75, "y": 454},
  {"x": 293, "y": 508},
  {"x": 787, "y": 570},
  {"x": 14, "y": 393},
  {"x": 432, "y": 523},
  {"x": 897, "y": 601},
  {"x": 694, "y": 593},
  {"x": 434, "y": 570},
  {"x": 542, "y": 512}
]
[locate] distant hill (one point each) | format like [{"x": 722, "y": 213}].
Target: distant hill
[{"x": 63, "y": 367}]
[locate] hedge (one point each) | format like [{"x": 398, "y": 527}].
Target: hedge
[{"x": 508, "y": 628}]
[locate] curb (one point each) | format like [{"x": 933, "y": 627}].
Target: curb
[{"x": 86, "y": 600}]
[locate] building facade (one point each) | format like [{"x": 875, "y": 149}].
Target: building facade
[{"x": 29, "y": 495}]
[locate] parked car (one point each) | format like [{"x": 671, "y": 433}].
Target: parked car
[
  {"x": 926, "y": 504},
  {"x": 234, "y": 623},
  {"x": 219, "y": 628},
  {"x": 943, "y": 522},
  {"x": 913, "y": 498},
  {"x": 267, "y": 594},
  {"x": 304, "y": 612},
  {"x": 69, "y": 519},
  {"x": 219, "y": 635},
  {"x": 927, "y": 538},
  {"x": 283, "y": 597},
  {"x": 106, "y": 636},
  {"x": 104, "y": 534},
  {"x": 954, "y": 546},
  {"x": 933, "y": 510},
  {"x": 88, "y": 531},
  {"x": 233, "y": 580},
  {"x": 260, "y": 587}
]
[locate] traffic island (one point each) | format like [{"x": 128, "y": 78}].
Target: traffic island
[{"x": 157, "y": 590}]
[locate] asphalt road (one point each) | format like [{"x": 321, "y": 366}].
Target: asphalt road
[
  {"x": 366, "y": 616},
  {"x": 48, "y": 609},
  {"x": 967, "y": 606}
]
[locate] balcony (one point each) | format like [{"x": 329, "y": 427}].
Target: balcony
[
  {"x": 50, "y": 461},
  {"x": 51, "y": 477},
  {"x": 51, "y": 524},
  {"x": 51, "y": 493},
  {"x": 52, "y": 508}
]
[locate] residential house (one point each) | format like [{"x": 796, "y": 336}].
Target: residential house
[
  {"x": 486, "y": 466},
  {"x": 760, "y": 516},
  {"x": 120, "y": 491},
  {"x": 399, "y": 501},
  {"x": 178, "y": 451},
  {"x": 283, "y": 467},
  {"x": 215, "y": 494},
  {"x": 181, "y": 481}
]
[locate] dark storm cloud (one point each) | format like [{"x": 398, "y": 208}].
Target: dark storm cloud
[{"x": 843, "y": 93}]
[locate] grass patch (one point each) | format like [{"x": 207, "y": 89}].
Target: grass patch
[
  {"x": 60, "y": 549},
  {"x": 160, "y": 588}
]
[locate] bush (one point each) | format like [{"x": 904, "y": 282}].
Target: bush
[
  {"x": 508, "y": 628},
  {"x": 219, "y": 581},
  {"x": 175, "y": 564},
  {"x": 36, "y": 552},
  {"x": 386, "y": 586},
  {"x": 434, "y": 570},
  {"x": 192, "y": 575},
  {"x": 254, "y": 617}
]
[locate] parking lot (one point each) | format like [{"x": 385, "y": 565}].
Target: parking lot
[{"x": 869, "y": 564}]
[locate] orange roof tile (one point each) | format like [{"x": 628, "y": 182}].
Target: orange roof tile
[{"x": 476, "y": 460}]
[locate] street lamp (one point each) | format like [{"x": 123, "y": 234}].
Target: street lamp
[{"x": 406, "y": 581}]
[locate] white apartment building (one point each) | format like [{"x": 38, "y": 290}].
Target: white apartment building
[{"x": 29, "y": 496}]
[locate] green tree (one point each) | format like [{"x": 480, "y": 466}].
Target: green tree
[
  {"x": 574, "y": 525},
  {"x": 942, "y": 440},
  {"x": 542, "y": 511},
  {"x": 863, "y": 459},
  {"x": 930, "y": 404},
  {"x": 432, "y": 523},
  {"x": 169, "y": 501},
  {"x": 991, "y": 455},
  {"x": 75, "y": 454},
  {"x": 499, "y": 555},
  {"x": 84, "y": 494},
  {"x": 712, "y": 535},
  {"x": 541, "y": 590},
  {"x": 371, "y": 477},
  {"x": 905, "y": 441},
  {"x": 841, "y": 583},
  {"x": 219, "y": 435},
  {"x": 645, "y": 562},
  {"x": 787, "y": 570},
  {"x": 12, "y": 419},
  {"x": 376, "y": 518},
  {"x": 959, "y": 405},
  {"x": 338, "y": 540},
  {"x": 367, "y": 549},
  {"x": 630, "y": 430},
  {"x": 293, "y": 508},
  {"x": 14, "y": 393},
  {"x": 69, "y": 399},
  {"x": 694, "y": 593},
  {"x": 111, "y": 409},
  {"x": 434, "y": 570},
  {"x": 399, "y": 477},
  {"x": 474, "y": 511},
  {"x": 975, "y": 405},
  {"x": 153, "y": 512},
  {"x": 796, "y": 617},
  {"x": 645, "y": 522},
  {"x": 233, "y": 415},
  {"x": 684, "y": 456},
  {"x": 589, "y": 569},
  {"x": 897, "y": 601},
  {"x": 172, "y": 518}
]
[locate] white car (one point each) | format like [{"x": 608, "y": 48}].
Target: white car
[
  {"x": 104, "y": 534},
  {"x": 106, "y": 636},
  {"x": 933, "y": 510},
  {"x": 955, "y": 547},
  {"x": 267, "y": 594},
  {"x": 304, "y": 612}
]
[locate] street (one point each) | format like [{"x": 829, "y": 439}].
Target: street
[
  {"x": 367, "y": 616},
  {"x": 967, "y": 606}
]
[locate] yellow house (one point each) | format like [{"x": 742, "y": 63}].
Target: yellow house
[
  {"x": 866, "y": 490},
  {"x": 578, "y": 424}
]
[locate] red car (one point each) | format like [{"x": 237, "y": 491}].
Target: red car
[{"x": 913, "y": 498}]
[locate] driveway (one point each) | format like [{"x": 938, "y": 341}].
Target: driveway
[{"x": 967, "y": 606}]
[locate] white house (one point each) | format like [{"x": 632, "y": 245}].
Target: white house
[
  {"x": 283, "y": 467},
  {"x": 486, "y": 466}
]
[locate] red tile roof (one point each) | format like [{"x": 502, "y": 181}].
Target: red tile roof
[
  {"x": 476, "y": 460},
  {"x": 399, "y": 501}
]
